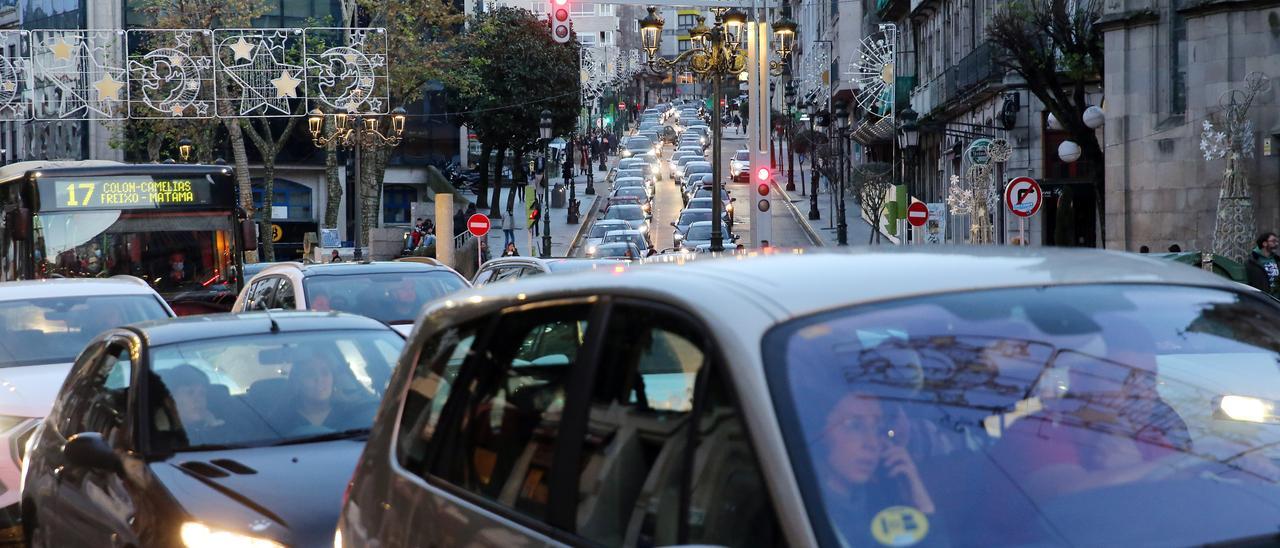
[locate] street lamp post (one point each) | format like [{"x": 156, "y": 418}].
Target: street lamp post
[
  {"x": 842, "y": 123},
  {"x": 791, "y": 135},
  {"x": 814, "y": 214},
  {"x": 544, "y": 131},
  {"x": 909, "y": 141},
  {"x": 356, "y": 131},
  {"x": 717, "y": 53}
]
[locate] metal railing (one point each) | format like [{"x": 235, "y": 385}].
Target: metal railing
[
  {"x": 978, "y": 67},
  {"x": 461, "y": 240}
]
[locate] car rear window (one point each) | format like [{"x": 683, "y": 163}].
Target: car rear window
[{"x": 391, "y": 297}]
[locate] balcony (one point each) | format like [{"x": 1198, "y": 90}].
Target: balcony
[
  {"x": 891, "y": 10},
  {"x": 978, "y": 67}
]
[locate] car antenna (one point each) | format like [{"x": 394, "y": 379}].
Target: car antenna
[{"x": 275, "y": 327}]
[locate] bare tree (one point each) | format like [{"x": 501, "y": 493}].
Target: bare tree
[
  {"x": 1056, "y": 47},
  {"x": 869, "y": 185}
]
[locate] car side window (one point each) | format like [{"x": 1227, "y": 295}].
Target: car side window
[
  {"x": 501, "y": 435},
  {"x": 507, "y": 274},
  {"x": 440, "y": 360},
  {"x": 641, "y": 406},
  {"x": 634, "y": 460},
  {"x": 259, "y": 295},
  {"x": 488, "y": 275},
  {"x": 100, "y": 400},
  {"x": 285, "y": 295}
]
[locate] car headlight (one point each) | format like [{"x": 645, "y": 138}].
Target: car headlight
[
  {"x": 679, "y": 236},
  {"x": 592, "y": 250},
  {"x": 199, "y": 535},
  {"x": 644, "y": 228}
]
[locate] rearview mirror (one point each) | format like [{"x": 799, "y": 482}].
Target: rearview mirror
[
  {"x": 673, "y": 223},
  {"x": 249, "y": 234},
  {"x": 89, "y": 450}
]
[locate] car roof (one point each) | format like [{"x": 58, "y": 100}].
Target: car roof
[
  {"x": 696, "y": 210},
  {"x": 216, "y": 326},
  {"x": 763, "y": 283},
  {"x": 624, "y": 232},
  {"x": 73, "y": 287},
  {"x": 625, "y": 206},
  {"x": 628, "y": 179},
  {"x": 353, "y": 268}
]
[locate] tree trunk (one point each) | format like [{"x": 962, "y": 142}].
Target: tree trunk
[
  {"x": 497, "y": 176},
  {"x": 483, "y": 165},
  {"x": 241, "y": 160},
  {"x": 333, "y": 185},
  {"x": 264, "y": 216},
  {"x": 372, "y": 168}
]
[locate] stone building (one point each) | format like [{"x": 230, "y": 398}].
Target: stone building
[{"x": 1169, "y": 66}]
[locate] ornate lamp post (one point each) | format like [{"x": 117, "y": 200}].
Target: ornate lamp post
[
  {"x": 355, "y": 131},
  {"x": 544, "y": 131},
  {"x": 791, "y": 134},
  {"x": 842, "y": 124},
  {"x": 812, "y": 108},
  {"x": 717, "y": 53}
]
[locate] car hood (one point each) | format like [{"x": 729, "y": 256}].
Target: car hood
[
  {"x": 29, "y": 390},
  {"x": 291, "y": 493}
]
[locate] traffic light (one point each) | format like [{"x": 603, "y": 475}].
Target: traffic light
[
  {"x": 561, "y": 26},
  {"x": 763, "y": 177}
]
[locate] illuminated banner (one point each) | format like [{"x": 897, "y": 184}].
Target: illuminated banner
[
  {"x": 84, "y": 74},
  {"x": 123, "y": 193}
]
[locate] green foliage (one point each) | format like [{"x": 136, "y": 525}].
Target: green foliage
[{"x": 507, "y": 70}]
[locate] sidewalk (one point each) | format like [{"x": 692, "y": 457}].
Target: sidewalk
[
  {"x": 562, "y": 233},
  {"x": 824, "y": 227}
]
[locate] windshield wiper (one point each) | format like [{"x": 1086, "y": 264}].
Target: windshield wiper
[{"x": 331, "y": 436}]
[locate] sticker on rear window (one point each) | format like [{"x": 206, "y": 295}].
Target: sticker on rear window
[{"x": 899, "y": 526}]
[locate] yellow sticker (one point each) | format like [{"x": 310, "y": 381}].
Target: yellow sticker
[{"x": 899, "y": 526}]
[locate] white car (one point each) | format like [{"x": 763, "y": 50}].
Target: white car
[
  {"x": 43, "y": 326},
  {"x": 740, "y": 166},
  {"x": 391, "y": 292},
  {"x": 598, "y": 231},
  {"x": 945, "y": 396}
]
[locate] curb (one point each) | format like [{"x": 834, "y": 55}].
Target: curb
[
  {"x": 808, "y": 230},
  {"x": 584, "y": 224}
]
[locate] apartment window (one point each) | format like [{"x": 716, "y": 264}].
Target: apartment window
[
  {"x": 684, "y": 45},
  {"x": 687, "y": 21},
  {"x": 582, "y": 9}
]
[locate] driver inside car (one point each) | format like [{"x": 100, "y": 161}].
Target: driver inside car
[
  {"x": 311, "y": 406},
  {"x": 188, "y": 388}
]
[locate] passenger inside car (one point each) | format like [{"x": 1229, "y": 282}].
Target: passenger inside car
[
  {"x": 310, "y": 405},
  {"x": 190, "y": 388}
]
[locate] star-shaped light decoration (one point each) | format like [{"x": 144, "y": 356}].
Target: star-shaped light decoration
[
  {"x": 8, "y": 85},
  {"x": 242, "y": 49},
  {"x": 178, "y": 110},
  {"x": 286, "y": 85},
  {"x": 108, "y": 88},
  {"x": 61, "y": 49}
]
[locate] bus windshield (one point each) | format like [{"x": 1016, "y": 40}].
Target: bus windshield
[{"x": 184, "y": 255}]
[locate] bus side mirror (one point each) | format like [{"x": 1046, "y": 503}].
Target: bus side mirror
[
  {"x": 249, "y": 234},
  {"x": 18, "y": 221}
]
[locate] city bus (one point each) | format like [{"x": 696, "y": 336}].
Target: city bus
[{"x": 176, "y": 226}]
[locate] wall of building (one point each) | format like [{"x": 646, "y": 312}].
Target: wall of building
[{"x": 1162, "y": 83}]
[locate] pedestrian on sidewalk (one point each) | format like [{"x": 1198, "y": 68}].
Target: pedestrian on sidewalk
[
  {"x": 509, "y": 227},
  {"x": 535, "y": 215},
  {"x": 484, "y": 250},
  {"x": 459, "y": 222},
  {"x": 510, "y": 250},
  {"x": 583, "y": 156},
  {"x": 1261, "y": 270}
]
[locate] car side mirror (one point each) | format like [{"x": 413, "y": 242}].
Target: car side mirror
[
  {"x": 733, "y": 199},
  {"x": 249, "y": 234},
  {"x": 18, "y": 221},
  {"x": 673, "y": 223},
  {"x": 89, "y": 450}
]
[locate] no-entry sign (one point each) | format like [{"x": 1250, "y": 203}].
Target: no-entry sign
[
  {"x": 478, "y": 225},
  {"x": 917, "y": 214},
  {"x": 1023, "y": 196}
]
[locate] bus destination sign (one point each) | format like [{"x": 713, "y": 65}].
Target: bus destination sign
[{"x": 123, "y": 193}]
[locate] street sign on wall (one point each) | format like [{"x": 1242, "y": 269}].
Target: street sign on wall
[{"x": 978, "y": 151}]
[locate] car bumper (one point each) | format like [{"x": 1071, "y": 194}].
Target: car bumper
[{"x": 13, "y": 442}]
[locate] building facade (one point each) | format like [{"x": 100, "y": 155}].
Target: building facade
[{"x": 1171, "y": 66}]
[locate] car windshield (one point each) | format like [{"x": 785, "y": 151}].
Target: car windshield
[
  {"x": 690, "y": 216},
  {"x": 267, "y": 389},
  {"x": 55, "y": 329},
  {"x": 634, "y": 238},
  {"x": 699, "y": 232},
  {"x": 1085, "y": 415},
  {"x": 706, "y": 193},
  {"x": 625, "y": 213},
  {"x": 631, "y": 192},
  {"x": 391, "y": 297},
  {"x": 697, "y": 168},
  {"x": 700, "y": 203},
  {"x": 742, "y": 155}
]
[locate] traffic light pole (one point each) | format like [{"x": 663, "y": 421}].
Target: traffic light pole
[{"x": 546, "y": 203}]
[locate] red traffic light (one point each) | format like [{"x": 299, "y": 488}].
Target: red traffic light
[
  {"x": 562, "y": 2},
  {"x": 763, "y": 189},
  {"x": 762, "y": 174}
]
